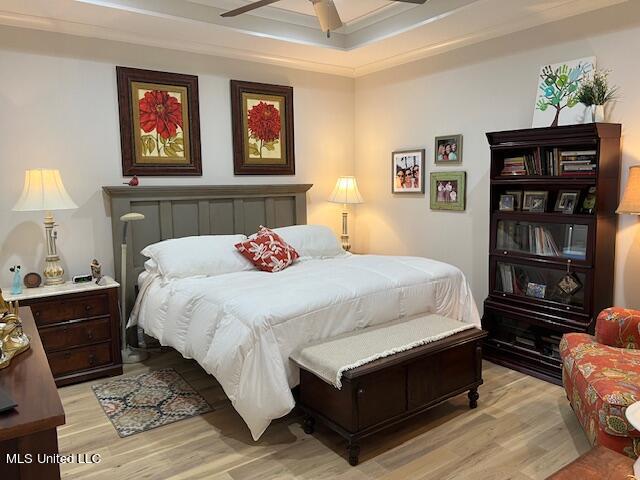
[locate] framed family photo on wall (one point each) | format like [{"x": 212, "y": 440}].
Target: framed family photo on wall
[
  {"x": 448, "y": 150},
  {"x": 159, "y": 123},
  {"x": 262, "y": 122},
  {"x": 448, "y": 190},
  {"x": 407, "y": 171}
]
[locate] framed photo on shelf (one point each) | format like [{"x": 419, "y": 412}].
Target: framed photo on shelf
[
  {"x": 536, "y": 290},
  {"x": 517, "y": 198},
  {"x": 448, "y": 190},
  {"x": 262, "y": 126},
  {"x": 159, "y": 123},
  {"x": 448, "y": 150},
  {"x": 569, "y": 284},
  {"x": 567, "y": 201},
  {"x": 507, "y": 203},
  {"x": 535, "y": 201},
  {"x": 407, "y": 171}
]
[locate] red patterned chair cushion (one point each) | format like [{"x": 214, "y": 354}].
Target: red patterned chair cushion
[
  {"x": 268, "y": 251},
  {"x": 618, "y": 327},
  {"x": 601, "y": 381}
]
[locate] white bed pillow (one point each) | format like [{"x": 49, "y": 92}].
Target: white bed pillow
[
  {"x": 206, "y": 255},
  {"x": 315, "y": 241}
]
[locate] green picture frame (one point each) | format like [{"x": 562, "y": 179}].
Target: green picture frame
[{"x": 448, "y": 191}]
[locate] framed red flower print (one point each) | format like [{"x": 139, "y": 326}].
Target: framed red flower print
[
  {"x": 262, "y": 118},
  {"x": 159, "y": 123}
]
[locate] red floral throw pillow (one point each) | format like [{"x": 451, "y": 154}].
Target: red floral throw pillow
[{"x": 268, "y": 251}]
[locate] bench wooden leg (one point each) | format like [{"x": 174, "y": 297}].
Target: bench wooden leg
[
  {"x": 309, "y": 425},
  {"x": 354, "y": 453},
  {"x": 473, "y": 397}
]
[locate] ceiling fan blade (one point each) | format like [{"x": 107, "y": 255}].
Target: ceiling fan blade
[
  {"x": 411, "y": 1},
  {"x": 327, "y": 15},
  {"x": 248, "y": 8}
]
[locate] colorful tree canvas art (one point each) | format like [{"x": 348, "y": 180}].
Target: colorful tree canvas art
[
  {"x": 159, "y": 123},
  {"x": 557, "y": 99},
  {"x": 262, "y": 118}
]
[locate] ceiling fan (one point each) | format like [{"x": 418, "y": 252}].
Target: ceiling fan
[{"x": 325, "y": 11}]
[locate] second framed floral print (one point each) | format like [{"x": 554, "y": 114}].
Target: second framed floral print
[{"x": 262, "y": 123}]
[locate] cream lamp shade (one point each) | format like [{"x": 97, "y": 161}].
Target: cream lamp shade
[
  {"x": 346, "y": 191},
  {"x": 630, "y": 203},
  {"x": 43, "y": 191}
]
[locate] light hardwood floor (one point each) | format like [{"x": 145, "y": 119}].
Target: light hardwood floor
[{"x": 522, "y": 429}]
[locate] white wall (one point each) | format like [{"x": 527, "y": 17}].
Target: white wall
[
  {"x": 483, "y": 88},
  {"x": 58, "y": 109}
]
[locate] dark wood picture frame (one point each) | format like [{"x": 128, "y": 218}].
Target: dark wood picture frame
[
  {"x": 191, "y": 124},
  {"x": 240, "y": 154}
]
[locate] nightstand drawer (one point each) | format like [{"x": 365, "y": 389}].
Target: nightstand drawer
[
  {"x": 78, "y": 359},
  {"x": 76, "y": 334},
  {"x": 61, "y": 310}
]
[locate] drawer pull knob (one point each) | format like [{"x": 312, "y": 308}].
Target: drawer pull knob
[
  {"x": 361, "y": 391},
  {"x": 37, "y": 314},
  {"x": 67, "y": 355},
  {"x": 87, "y": 307},
  {"x": 90, "y": 335},
  {"x": 92, "y": 359}
]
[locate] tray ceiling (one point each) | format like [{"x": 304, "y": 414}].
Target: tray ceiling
[{"x": 378, "y": 33}]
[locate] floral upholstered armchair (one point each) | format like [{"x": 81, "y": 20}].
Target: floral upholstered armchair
[{"x": 601, "y": 375}]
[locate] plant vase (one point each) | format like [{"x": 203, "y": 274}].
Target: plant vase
[{"x": 597, "y": 113}]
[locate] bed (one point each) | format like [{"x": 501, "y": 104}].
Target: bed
[{"x": 242, "y": 326}]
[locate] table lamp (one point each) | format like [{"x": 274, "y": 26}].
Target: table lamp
[
  {"x": 129, "y": 355},
  {"x": 346, "y": 192},
  {"x": 43, "y": 191},
  {"x": 630, "y": 203}
]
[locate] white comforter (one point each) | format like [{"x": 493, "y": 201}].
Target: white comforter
[{"x": 242, "y": 327}]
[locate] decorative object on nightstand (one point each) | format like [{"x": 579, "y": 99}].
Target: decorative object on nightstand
[
  {"x": 96, "y": 270},
  {"x": 79, "y": 325},
  {"x": 32, "y": 280},
  {"x": 16, "y": 284},
  {"x": 128, "y": 354},
  {"x": 44, "y": 191},
  {"x": 630, "y": 203},
  {"x": 346, "y": 192}
]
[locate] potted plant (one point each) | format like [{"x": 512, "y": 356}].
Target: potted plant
[{"x": 595, "y": 92}]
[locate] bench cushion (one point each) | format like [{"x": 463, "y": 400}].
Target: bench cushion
[{"x": 328, "y": 359}]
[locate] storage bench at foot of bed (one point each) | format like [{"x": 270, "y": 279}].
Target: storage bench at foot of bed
[{"x": 387, "y": 391}]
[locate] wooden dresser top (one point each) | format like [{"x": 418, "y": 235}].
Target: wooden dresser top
[{"x": 28, "y": 380}]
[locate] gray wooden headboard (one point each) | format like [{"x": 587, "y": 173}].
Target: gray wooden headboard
[{"x": 180, "y": 211}]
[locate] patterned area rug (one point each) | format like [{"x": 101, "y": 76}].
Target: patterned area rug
[{"x": 142, "y": 402}]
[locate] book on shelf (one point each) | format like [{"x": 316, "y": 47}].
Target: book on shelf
[
  {"x": 514, "y": 166},
  {"x": 528, "y": 238},
  {"x": 577, "y": 162}
]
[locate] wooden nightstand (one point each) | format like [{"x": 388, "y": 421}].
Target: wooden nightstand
[{"x": 79, "y": 325}]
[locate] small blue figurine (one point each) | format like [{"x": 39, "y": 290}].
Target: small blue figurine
[{"x": 16, "y": 287}]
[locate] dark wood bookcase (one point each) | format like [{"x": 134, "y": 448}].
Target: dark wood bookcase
[{"x": 529, "y": 307}]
